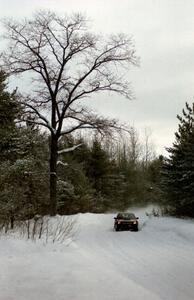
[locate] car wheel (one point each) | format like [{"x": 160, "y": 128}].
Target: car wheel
[
  {"x": 116, "y": 228},
  {"x": 135, "y": 229}
]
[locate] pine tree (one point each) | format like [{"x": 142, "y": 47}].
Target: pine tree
[
  {"x": 98, "y": 166},
  {"x": 24, "y": 179},
  {"x": 9, "y": 109},
  {"x": 74, "y": 191},
  {"x": 178, "y": 170}
]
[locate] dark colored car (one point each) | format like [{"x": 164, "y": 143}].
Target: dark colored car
[{"x": 126, "y": 221}]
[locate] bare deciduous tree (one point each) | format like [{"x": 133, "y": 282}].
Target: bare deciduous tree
[
  {"x": 67, "y": 64},
  {"x": 134, "y": 146},
  {"x": 148, "y": 148}
]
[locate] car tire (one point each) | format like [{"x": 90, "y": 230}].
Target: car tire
[
  {"x": 116, "y": 228},
  {"x": 135, "y": 229}
]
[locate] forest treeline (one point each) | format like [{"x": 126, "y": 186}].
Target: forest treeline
[
  {"x": 98, "y": 175},
  {"x": 102, "y": 174},
  {"x": 94, "y": 173}
]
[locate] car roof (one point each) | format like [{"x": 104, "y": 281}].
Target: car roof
[{"x": 126, "y": 215}]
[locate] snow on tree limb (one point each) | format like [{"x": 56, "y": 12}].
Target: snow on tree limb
[
  {"x": 59, "y": 162},
  {"x": 69, "y": 149}
]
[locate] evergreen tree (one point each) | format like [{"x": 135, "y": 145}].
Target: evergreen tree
[
  {"x": 24, "y": 179},
  {"x": 9, "y": 110},
  {"x": 74, "y": 191},
  {"x": 98, "y": 166},
  {"x": 99, "y": 173},
  {"x": 178, "y": 170}
]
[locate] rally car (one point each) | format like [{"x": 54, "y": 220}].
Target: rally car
[{"x": 126, "y": 221}]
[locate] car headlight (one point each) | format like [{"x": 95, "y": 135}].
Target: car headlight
[{"x": 135, "y": 222}]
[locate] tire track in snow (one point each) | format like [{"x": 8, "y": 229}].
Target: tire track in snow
[{"x": 149, "y": 257}]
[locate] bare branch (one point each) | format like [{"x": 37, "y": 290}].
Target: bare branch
[
  {"x": 33, "y": 109},
  {"x": 70, "y": 63}
]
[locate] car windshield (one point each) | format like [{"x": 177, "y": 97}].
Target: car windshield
[{"x": 126, "y": 216}]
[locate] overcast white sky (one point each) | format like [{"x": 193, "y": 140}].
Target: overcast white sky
[{"x": 163, "y": 31}]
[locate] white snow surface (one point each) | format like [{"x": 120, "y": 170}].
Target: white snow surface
[{"x": 156, "y": 263}]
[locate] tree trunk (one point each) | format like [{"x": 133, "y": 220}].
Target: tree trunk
[
  {"x": 53, "y": 175},
  {"x": 12, "y": 221}
]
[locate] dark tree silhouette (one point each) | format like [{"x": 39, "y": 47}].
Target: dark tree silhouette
[{"x": 67, "y": 63}]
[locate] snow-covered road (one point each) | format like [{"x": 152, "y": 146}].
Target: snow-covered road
[{"x": 155, "y": 263}]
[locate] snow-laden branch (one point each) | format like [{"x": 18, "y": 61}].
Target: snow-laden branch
[
  {"x": 59, "y": 162},
  {"x": 69, "y": 149}
]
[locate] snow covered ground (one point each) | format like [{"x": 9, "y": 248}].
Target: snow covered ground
[{"x": 155, "y": 263}]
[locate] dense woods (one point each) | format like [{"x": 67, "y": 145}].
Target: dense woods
[{"x": 99, "y": 175}]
